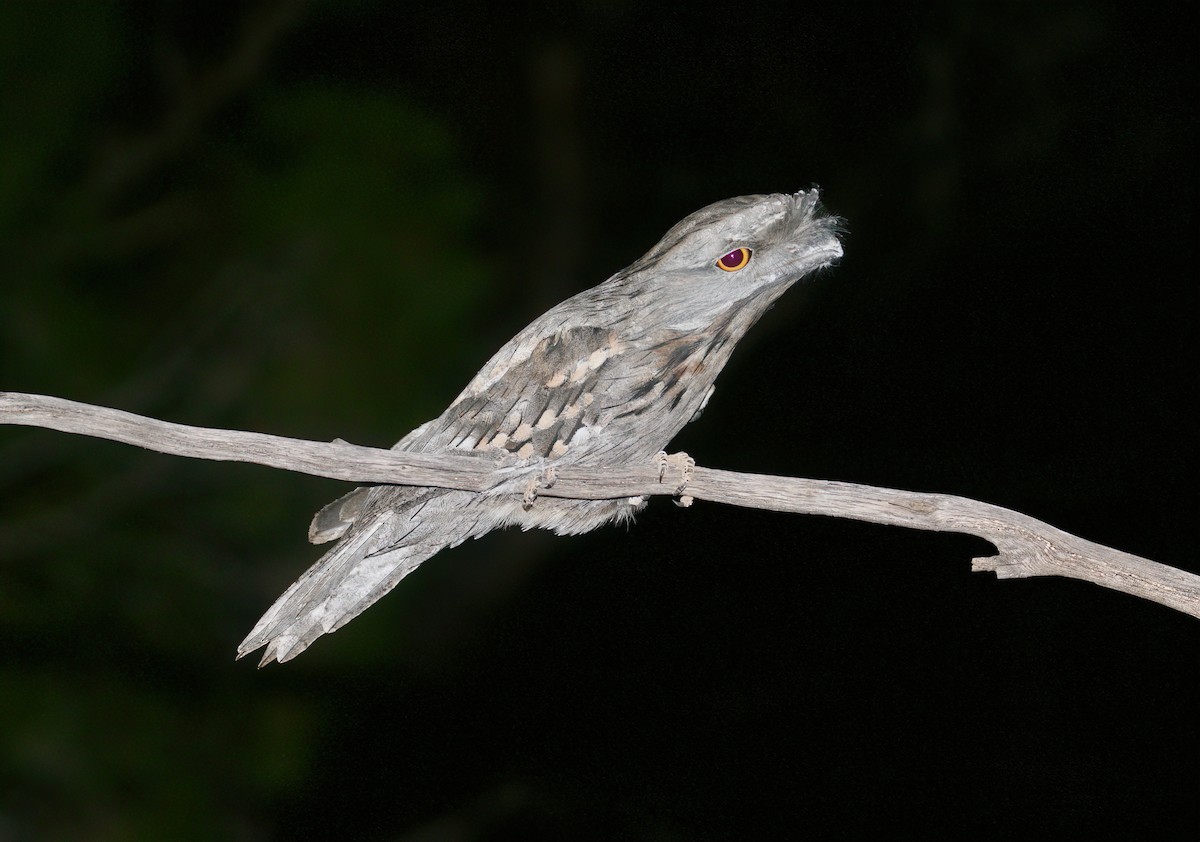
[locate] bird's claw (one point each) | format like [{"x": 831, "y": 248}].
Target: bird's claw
[{"x": 686, "y": 466}]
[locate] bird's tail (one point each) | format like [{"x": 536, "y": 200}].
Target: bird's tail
[{"x": 374, "y": 554}]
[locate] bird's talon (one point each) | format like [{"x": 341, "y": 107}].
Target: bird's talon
[{"x": 685, "y": 464}]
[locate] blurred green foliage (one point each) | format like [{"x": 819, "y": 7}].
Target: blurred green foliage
[{"x": 198, "y": 241}]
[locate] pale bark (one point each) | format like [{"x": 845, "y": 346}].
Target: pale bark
[{"x": 1027, "y": 547}]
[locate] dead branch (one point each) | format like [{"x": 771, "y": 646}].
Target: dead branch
[{"x": 1026, "y": 547}]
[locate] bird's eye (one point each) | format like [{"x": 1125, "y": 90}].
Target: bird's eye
[{"x": 736, "y": 259}]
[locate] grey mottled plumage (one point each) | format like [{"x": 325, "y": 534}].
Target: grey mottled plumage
[{"x": 607, "y": 377}]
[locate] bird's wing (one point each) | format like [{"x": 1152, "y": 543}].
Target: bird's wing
[
  {"x": 541, "y": 403},
  {"x": 575, "y": 395},
  {"x": 532, "y": 399}
]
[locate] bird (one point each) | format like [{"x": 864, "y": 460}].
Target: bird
[{"x": 607, "y": 377}]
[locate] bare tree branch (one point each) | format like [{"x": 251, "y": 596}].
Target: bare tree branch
[{"x": 1027, "y": 547}]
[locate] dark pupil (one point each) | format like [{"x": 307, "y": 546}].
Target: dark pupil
[{"x": 732, "y": 259}]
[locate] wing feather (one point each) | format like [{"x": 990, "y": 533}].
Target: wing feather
[{"x": 541, "y": 401}]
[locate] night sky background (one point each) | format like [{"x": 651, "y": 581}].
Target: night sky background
[{"x": 319, "y": 219}]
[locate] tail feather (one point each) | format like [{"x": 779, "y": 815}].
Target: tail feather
[{"x": 341, "y": 585}]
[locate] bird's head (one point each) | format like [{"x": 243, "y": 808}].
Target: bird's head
[{"x": 749, "y": 248}]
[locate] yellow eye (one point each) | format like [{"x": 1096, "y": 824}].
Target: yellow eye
[{"x": 736, "y": 259}]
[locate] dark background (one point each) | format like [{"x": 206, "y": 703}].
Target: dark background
[{"x": 319, "y": 219}]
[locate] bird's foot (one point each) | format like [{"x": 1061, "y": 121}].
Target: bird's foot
[
  {"x": 545, "y": 479},
  {"x": 686, "y": 466}
]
